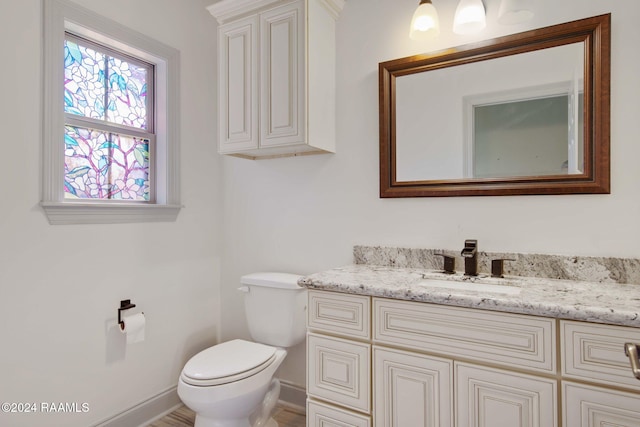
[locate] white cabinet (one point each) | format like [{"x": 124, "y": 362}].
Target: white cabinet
[
  {"x": 276, "y": 83},
  {"x": 431, "y": 365}
]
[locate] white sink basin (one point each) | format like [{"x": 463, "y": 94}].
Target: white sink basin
[{"x": 470, "y": 286}]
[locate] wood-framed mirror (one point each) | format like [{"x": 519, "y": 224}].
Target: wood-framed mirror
[{"x": 521, "y": 114}]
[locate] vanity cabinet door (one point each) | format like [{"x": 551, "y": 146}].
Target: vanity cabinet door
[
  {"x": 338, "y": 371},
  {"x": 411, "y": 389},
  {"x": 488, "y": 397},
  {"x": 587, "y": 406}
]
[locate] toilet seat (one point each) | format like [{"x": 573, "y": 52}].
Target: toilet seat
[{"x": 227, "y": 362}]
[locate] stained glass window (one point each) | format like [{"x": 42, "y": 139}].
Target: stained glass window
[
  {"x": 109, "y": 131},
  {"x": 101, "y": 165}
]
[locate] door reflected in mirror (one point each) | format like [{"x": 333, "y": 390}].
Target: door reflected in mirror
[
  {"x": 522, "y": 114},
  {"x": 525, "y": 137}
]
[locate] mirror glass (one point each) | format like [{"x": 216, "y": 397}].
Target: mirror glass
[
  {"x": 523, "y": 114},
  {"x": 521, "y": 123}
]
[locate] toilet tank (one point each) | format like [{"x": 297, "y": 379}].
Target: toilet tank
[{"x": 275, "y": 308}]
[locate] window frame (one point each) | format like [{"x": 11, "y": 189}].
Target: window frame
[{"x": 61, "y": 17}]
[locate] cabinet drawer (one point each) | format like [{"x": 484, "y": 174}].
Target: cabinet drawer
[
  {"x": 322, "y": 415},
  {"x": 594, "y": 352},
  {"x": 338, "y": 371},
  {"x": 504, "y": 338},
  {"x": 342, "y": 314}
]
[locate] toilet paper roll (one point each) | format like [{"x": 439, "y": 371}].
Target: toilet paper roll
[{"x": 133, "y": 327}]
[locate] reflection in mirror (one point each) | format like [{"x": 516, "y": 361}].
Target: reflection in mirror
[
  {"x": 522, "y": 114},
  {"x": 525, "y": 137}
]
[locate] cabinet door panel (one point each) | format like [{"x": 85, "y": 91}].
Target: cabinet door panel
[
  {"x": 411, "y": 389},
  {"x": 283, "y": 75},
  {"x": 488, "y": 397},
  {"x": 586, "y": 406},
  {"x": 238, "y": 85},
  {"x": 338, "y": 371}
]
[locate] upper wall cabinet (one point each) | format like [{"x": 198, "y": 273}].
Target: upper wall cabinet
[{"x": 276, "y": 82}]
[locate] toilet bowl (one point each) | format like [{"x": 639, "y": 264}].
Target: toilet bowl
[
  {"x": 232, "y": 384},
  {"x": 230, "y": 394}
]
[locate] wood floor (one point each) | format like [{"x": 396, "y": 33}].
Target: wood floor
[{"x": 184, "y": 417}]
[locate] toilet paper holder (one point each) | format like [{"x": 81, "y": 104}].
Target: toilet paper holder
[{"x": 125, "y": 304}]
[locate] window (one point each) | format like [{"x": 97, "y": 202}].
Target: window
[
  {"x": 108, "y": 125},
  {"x": 110, "y": 121}
]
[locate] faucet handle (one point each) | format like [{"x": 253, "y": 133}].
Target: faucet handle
[
  {"x": 449, "y": 263},
  {"x": 497, "y": 267},
  {"x": 470, "y": 248}
]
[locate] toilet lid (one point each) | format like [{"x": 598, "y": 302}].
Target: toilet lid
[{"x": 230, "y": 359}]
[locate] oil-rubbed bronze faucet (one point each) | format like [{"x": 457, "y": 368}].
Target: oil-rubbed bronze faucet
[
  {"x": 497, "y": 267},
  {"x": 470, "y": 255},
  {"x": 449, "y": 266}
]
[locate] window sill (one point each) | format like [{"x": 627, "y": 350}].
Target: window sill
[{"x": 86, "y": 213}]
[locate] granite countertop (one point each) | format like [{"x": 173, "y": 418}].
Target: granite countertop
[{"x": 610, "y": 303}]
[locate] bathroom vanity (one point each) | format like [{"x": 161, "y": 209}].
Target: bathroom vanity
[{"x": 407, "y": 346}]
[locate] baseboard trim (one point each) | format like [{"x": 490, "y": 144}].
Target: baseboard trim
[
  {"x": 293, "y": 396},
  {"x": 167, "y": 401},
  {"x": 147, "y": 411}
]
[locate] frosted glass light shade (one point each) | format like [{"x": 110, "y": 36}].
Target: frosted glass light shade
[
  {"x": 514, "y": 11},
  {"x": 424, "y": 24},
  {"x": 470, "y": 17}
]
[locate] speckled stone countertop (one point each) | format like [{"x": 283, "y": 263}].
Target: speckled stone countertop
[{"x": 610, "y": 303}]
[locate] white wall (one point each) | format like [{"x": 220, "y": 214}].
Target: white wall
[
  {"x": 60, "y": 286},
  {"x": 304, "y": 214}
]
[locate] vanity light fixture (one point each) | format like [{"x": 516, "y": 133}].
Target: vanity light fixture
[
  {"x": 424, "y": 24},
  {"x": 514, "y": 11},
  {"x": 470, "y": 17}
]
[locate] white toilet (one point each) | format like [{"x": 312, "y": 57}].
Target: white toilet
[{"x": 231, "y": 384}]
